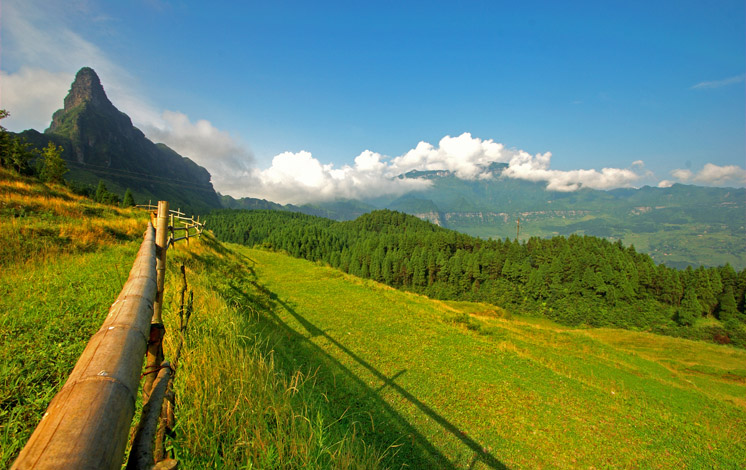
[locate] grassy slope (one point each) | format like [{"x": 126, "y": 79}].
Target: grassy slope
[
  {"x": 288, "y": 364},
  {"x": 491, "y": 391},
  {"x": 64, "y": 261}
]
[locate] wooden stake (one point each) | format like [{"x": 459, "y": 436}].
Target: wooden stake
[
  {"x": 161, "y": 244},
  {"x": 155, "y": 345},
  {"x": 141, "y": 455}
]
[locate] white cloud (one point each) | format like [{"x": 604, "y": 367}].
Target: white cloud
[
  {"x": 31, "y": 95},
  {"x": 299, "y": 177},
  {"x": 719, "y": 83},
  {"x": 720, "y": 175},
  {"x": 714, "y": 175},
  {"x": 682, "y": 174},
  {"x": 666, "y": 183},
  {"x": 464, "y": 155},
  {"x": 228, "y": 161},
  {"x": 536, "y": 168}
]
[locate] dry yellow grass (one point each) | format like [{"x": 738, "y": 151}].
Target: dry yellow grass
[{"x": 38, "y": 221}]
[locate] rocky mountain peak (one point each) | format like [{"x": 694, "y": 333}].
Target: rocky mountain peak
[{"x": 86, "y": 87}]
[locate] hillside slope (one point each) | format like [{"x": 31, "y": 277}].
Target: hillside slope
[
  {"x": 574, "y": 280},
  {"x": 470, "y": 389},
  {"x": 290, "y": 364},
  {"x": 236, "y": 409}
]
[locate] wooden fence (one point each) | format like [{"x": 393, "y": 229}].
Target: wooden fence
[{"x": 87, "y": 424}]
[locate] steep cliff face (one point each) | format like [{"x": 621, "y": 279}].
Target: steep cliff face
[
  {"x": 99, "y": 133},
  {"x": 101, "y": 143},
  {"x": 87, "y": 88}
]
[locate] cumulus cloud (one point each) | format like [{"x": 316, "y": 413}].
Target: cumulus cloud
[
  {"x": 665, "y": 183},
  {"x": 298, "y": 177},
  {"x": 682, "y": 174},
  {"x": 712, "y": 174},
  {"x": 721, "y": 175},
  {"x": 464, "y": 155},
  {"x": 536, "y": 168}
]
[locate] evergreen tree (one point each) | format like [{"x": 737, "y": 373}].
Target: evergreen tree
[
  {"x": 54, "y": 166},
  {"x": 20, "y": 155},
  {"x": 128, "y": 201},
  {"x": 727, "y": 305},
  {"x": 100, "y": 192},
  {"x": 689, "y": 310},
  {"x": 6, "y": 142},
  {"x": 386, "y": 269}
]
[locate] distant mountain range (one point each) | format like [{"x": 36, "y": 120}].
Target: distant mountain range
[{"x": 679, "y": 226}]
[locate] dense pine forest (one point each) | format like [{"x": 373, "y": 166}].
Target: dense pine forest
[{"x": 573, "y": 280}]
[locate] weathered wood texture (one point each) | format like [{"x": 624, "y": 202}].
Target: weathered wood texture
[
  {"x": 157, "y": 330},
  {"x": 161, "y": 243},
  {"x": 87, "y": 423},
  {"x": 141, "y": 454}
]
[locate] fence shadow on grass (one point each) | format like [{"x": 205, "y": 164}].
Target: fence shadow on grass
[
  {"x": 348, "y": 394},
  {"x": 436, "y": 458}
]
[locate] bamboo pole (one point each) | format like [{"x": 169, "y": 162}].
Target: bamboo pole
[
  {"x": 157, "y": 330},
  {"x": 87, "y": 423}
]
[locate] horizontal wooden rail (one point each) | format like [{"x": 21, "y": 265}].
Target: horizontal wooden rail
[
  {"x": 186, "y": 227},
  {"x": 87, "y": 423}
]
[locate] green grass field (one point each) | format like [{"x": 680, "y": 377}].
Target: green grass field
[
  {"x": 290, "y": 364},
  {"x": 473, "y": 391}
]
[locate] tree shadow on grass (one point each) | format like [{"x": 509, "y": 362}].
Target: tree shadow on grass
[{"x": 297, "y": 349}]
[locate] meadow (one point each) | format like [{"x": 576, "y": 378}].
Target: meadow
[
  {"x": 289, "y": 363},
  {"x": 486, "y": 390}
]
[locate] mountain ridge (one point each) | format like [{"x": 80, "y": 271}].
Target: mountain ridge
[
  {"x": 101, "y": 143},
  {"x": 683, "y": 225}
]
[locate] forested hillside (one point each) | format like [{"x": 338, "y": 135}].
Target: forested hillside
[{"x": 574, "y": 280}]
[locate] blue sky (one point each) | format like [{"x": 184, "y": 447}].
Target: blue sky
[{"x": 282, "y": 99}]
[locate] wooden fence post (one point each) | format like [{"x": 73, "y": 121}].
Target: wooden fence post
[{"x": 157, "y": 330}]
